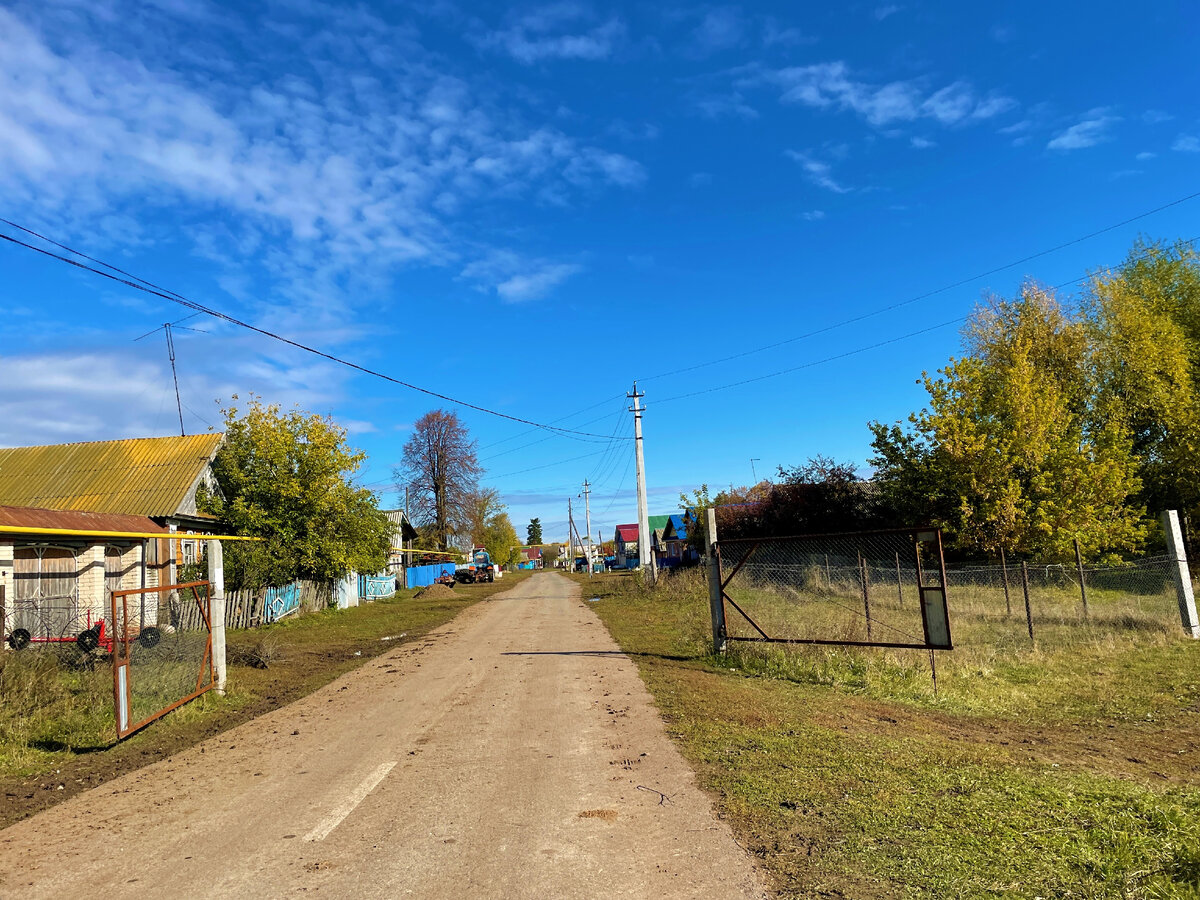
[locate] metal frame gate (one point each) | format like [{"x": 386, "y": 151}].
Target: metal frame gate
[
  {"x": 911, "y": 542},
  {"x": 140, "y": 632}
]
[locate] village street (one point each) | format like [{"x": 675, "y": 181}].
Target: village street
[{"x": 514, "y": 753}]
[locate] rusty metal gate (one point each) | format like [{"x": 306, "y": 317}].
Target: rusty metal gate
[
  {"x": 161, "y": 647},
  {"x": 871, "y": 589}
]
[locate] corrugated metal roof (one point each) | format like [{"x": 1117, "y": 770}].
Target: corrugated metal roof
[
  {"x": 627, "y": 533},
  {"x": 31, "y": 517},
  {"x": 139, "y": 477}
]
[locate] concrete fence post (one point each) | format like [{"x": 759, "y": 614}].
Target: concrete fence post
[
  {"x": 716, "y": 602},
  {"x": 1180, "y": 573},
  {"x": 216, "y": 611}
]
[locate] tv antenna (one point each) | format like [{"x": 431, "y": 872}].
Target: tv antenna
[{"x": 166, "y": 328}]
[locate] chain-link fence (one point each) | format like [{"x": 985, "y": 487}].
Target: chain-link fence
[
  {"x": 161, "y": 651},
  {"x": 1006, "y": 600},
  {"x": 882, "y": 588}
]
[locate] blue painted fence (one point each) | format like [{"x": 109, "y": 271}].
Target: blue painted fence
[
  {"x": 421, "y": 576},
  {"x": 376, "y": 587},
  {"x": 280, "y": 601}
]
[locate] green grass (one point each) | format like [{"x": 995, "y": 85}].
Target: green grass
[
  {"x": 1069, "y": 769},
  {"x": 56, "y": 706}
]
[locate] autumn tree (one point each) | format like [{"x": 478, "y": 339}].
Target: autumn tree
[
  {"x": 287, "y": 478},
  {"x": 442, "y": 471},
  {"x": 1145, "y": 318},
  {"x": 1012, "y": 451},
  {"x": 533, "y": 532}
]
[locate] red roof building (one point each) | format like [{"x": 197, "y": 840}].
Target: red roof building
[{"x": 626, "y": 541}]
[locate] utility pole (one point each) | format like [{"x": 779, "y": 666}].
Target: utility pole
[
  {"x": 645, "y": 553},
  {"x": 571, "y": 532},
  {"x": 587, "y": 506}
]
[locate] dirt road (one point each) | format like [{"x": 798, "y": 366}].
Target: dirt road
[{"x": 513, "y": 753}]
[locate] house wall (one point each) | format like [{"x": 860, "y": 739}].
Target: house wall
[
  {"x": 89, "y": 562},
  {"x": 6, "y": 569}
]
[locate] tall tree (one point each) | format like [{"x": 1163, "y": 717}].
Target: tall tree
[
  {"x": 1146, "y": 322},
  {"x": 533, "y": 532},
  {"x": 442, "y": 471},
  {"x": 1012, "y": 452},
  {"x": 286, "y": 477}
]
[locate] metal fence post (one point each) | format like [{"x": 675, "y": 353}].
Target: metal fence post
[
  {"x": 716, "y": 602},
  {"x": 216, "y": 611},
  {"x": 1180, "y": 573},
  {"x": 862, "y": 574},
  {"x": 1004, "y": 575},
  {"x": 1025, "y": 587},
  {"x": 1082, "y": 583},
  {"x": 899, "y": 582}
]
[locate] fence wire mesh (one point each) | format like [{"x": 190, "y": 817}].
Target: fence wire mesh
[
  {"x": 162, "y": 651},
  {"x": 855, "y": 588},
  {"x": 988, "y": 602}
]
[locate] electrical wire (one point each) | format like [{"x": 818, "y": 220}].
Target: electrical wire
[
  {"x": 894, "y": 340},
  {"x": 166, "y": 294},
  {"x": 925, "y": 296}
]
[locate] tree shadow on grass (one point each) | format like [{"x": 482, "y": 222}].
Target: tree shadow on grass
[{"x": 60, "y": 747}]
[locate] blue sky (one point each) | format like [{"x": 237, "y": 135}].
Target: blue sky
[{"x": 529, "y": 206}]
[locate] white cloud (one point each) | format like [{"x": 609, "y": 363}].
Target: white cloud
[
  {"x": 1156, "y": 116},
  {"x": 554, "y": 32},
  {"x": 700, "y": 179},
  {"x": 533, "y": 285},
  {"x": 375, "y": 157},
  {"x": 1145, "y": 155},
  {"x": 831, "y": 85},
  {"x": 1186, "y": 143},
  {"x": 516, "y": 279},
  {"x": 720, "y": 29},
  {"x": 818, "y": 172},
  {"x": 813, "y": 215},
  {"x": 73, "y": 396},
  {"x": 884, "y": 12},
  {"x": 716, "y": 106},
  {"x": 1087, "y": 133},
  {"x": 921, "y": 143}
]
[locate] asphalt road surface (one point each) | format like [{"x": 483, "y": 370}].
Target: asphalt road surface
[{"x": 513, "y": 753}]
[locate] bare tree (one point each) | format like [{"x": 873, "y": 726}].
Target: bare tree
[{"x": 442, "y": 473}]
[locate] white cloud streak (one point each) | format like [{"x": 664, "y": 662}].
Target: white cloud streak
[
  {"x": 832, "y": 86},
  {"x": 1089, "y": 132}
]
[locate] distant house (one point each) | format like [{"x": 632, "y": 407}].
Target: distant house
[
  {"x": 401, "y": 535},
  {"x": 656, "y": 524},
  {"x": 675, "y": 542},
  {"x": 78, "y": 521},
  {"x": 626, "y": 542},
  {"x": 531, "y": 558}
]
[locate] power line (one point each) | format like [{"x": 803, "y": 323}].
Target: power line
[
  {"x": 548, "y": 465},
  {"x": 925, "y": 296},
  {"x": 167, "y": 294},
  {"x": 903, "y": 337}
]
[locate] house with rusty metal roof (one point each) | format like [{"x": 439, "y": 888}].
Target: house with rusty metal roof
[
  {"x": 153, "y": 477},
  {"x": 78, "y": 521}
]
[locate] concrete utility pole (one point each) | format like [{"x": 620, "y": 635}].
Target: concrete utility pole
[
  {"x": 571, "y": 531},
  {"x": 645, "y": 553},
  {"x": 587, "y": 507}
]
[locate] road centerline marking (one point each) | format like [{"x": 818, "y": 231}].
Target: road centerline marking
[{"x": 343, "y": 809}]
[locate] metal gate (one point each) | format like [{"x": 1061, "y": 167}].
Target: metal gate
[
  {"x": 871, "y": 589},
  {"x": 161, "y": 651},
  {"x": 376, "y": 587}
]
